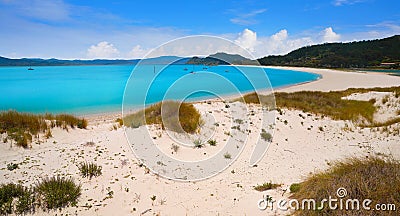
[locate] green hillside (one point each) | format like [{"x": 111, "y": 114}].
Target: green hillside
[{"x": 384, "y": 53}]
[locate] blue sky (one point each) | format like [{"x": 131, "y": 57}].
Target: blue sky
[{"x": 129, "y": 29}]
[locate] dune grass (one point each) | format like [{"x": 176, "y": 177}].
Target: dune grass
[
  {"x": 16, "y": 199},
  {"x": 50, "y": 193},
  {"x": 266, "y": 186},
  {"x": 331, "y": 104},
  {"x": 89, "y": 170},
  {"x": 57, "y": 192},
  {"x": 20, "y": 127},
  {"x": 175, "y": 116},
  {"x": 367, "y": 178}
]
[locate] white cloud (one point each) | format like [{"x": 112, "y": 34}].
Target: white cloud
[
  {"x": 280, "y": 36},
  {"x": 247, "y": 39},
  {"x": 328, "y": 35},
  {"x": 137, "y": 52},
  {"x": 346, "y": 2},
  {"x": 102, "y": 50},
  {"x": 247, "y": 18}
]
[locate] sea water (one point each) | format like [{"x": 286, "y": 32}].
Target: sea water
[{"x": 97, "y": 89}]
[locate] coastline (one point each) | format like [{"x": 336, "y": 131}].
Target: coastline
[{"x": 330, "y": 80}]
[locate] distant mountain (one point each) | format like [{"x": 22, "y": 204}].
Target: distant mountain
[
  {"x": 362, "y": 54},
  {"x": 58, "y": 62},
  {"x": 222, "y": 59}
]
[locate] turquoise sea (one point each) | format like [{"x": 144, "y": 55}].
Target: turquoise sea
[{"x": 97, "y": 89}]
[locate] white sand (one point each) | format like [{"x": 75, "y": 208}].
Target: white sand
[{"x": 299, "y": 148}]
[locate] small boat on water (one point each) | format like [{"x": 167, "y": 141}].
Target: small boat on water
[{"x": 30, "y": 68}]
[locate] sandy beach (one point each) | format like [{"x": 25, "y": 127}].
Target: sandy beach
[{"x": 299, "y": 147}]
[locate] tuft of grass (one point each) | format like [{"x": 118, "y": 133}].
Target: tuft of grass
[
  {"x": 16, "y": 199},
  {"x": 175, "y": 147},
  {"x": 266, "y": 186},
  {"x": 254, "y": 98},
  {"x": 363, "y": 178},
  {"x": 266, "y": 136},
  {"x": 212, "y": 142},
  {"x": 57, "y": 192},
  {"x": 198, "y": 143},
  {"x": 20, "y": 127},
  {"x": 12, "y": 166},
  {"x": 173, "y": 115},
  {"x": 227, "y": 155},
  {"x": 89, "y": 170}
]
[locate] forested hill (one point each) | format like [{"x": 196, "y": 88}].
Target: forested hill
[{"x": 362, "y": 54}]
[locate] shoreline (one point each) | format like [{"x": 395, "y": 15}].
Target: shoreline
[{"x": 329, "y": 80}]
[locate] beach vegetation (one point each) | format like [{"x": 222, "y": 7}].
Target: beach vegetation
[
  {"x": 20, "y": 127},
  {"x": 119, "y": 121},
  {"x": 265, "y": 135},
  {"x": 212, "y": 142},
  {"x": 331, "y": 103},
  {"x": 198, "y": 143},
  {"x": 89, "y": 170},
  {"x": 57, "y": 192},
  {"x": 12, "y": 166},
  {"x": 15, "y": 198},
  {"x": 266, "y": 186},
  {"x": 175, "y": 147},
  {"x": 227, "y": 155},
  {"x": 173, "y": 115},
  {"x": 371, "y": 178},
  {"x": 295, "y": 187}
]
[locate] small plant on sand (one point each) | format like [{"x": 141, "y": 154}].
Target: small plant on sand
[
  {"x": 266, "y": 136},
  {"x": 212, "y": 142},
  {"x": 198, "y": 143},
  {"x": 266, "y": 186},
  {"x": 89, "y": 170},
  {"x": 12, "y": 166},
  {"x": 227, "y": 155},
  {"x": 57, "y": 192},
  {"x": 174, "y": 147}
]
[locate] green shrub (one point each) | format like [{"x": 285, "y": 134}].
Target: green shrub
[
  {"x": 266, "y": 186},
  {"x": 89, "y": 170},
  {"x": 57, "y": 192}
]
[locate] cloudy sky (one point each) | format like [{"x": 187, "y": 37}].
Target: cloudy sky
[{"x": 72, "y": 29}]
